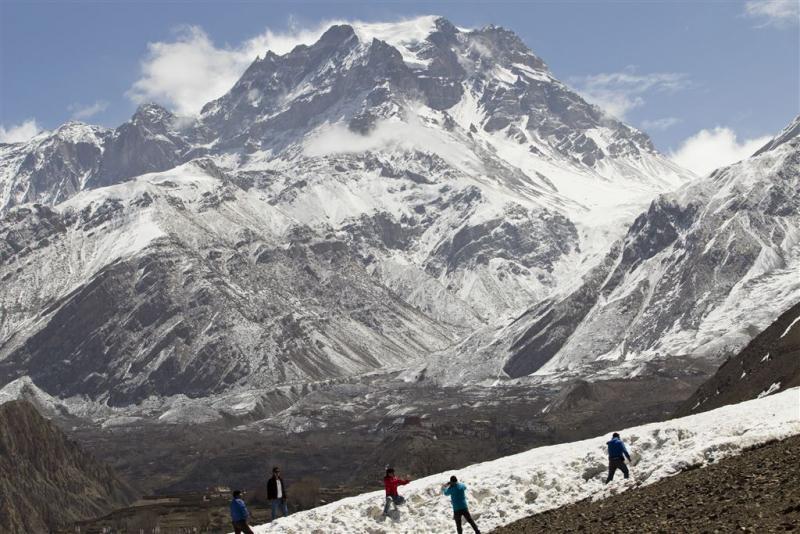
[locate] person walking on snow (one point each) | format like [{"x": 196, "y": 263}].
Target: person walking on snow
[
  {"x": 390, "y": 483},
  {"x": 276, "y": 494},
  {"x": 239, "y": 514},
  {"x": 457, "y": 492},
  {"x": 617, "y": 452}
]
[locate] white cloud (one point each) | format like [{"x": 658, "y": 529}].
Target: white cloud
[
  {"x": 408, "y": 134},
  {"x": 190, "y": 71},
  {"x": 338, "y": 139},
  {"x": 661, "y": 124},
  {"x": 19, "y": 133},
  {"x": 84, "y": 112},
  {"x": 619, "y": 92},
  {"x": 776, "y": 13},
  {"x": 710, "y": 149}
]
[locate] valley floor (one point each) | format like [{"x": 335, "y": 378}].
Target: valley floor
[{"x": 757, "y": 491}]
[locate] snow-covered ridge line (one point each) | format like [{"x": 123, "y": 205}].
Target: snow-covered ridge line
[{"x": 507, "y": 489}]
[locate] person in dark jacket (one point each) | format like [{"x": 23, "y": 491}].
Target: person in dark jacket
[
  {"x": 276, "y": 493},
  {"x": 457, "y": 492},
  {"x": 617, "y": 452},
  {"x": 239, "y": 514},
  {"x": 390, "y": 484}
]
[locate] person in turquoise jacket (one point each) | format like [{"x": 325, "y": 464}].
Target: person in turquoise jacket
[{"x": 457, "y": 491}]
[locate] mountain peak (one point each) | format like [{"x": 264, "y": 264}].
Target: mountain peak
[
  {"x": 444, "y": 25},
  {"x": 77, "y": 131},
  {"x": 151, "y": 113},
  {"x": 336, "y": 35}
]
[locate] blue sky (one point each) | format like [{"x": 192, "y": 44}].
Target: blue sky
[{"x": 726, "y": 70}]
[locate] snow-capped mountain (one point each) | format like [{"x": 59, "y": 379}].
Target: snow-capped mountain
[
  {"x": 356, "y": 204},
  {"x": 54, "y": 166},
  {"x": 699, "y": 273}
]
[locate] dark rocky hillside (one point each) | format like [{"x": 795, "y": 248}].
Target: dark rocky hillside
[
  {"x": 46, "y": 480},
  {"x": 756, "y": 491},
  {"x": 770, "y": 363}
]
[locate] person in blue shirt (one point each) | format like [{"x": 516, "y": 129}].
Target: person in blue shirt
[
  {"x": 617, "y": 452},
  {"x": 239, "y": 514},
  {"x": 458, "y": 498}
]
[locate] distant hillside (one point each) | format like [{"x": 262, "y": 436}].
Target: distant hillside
[
  {"x": 770, "y": 363},
  {"x": 46, "y": 480}
]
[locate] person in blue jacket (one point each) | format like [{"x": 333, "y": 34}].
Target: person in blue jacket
[
  {"x": 458, "y": 498},
  {"x": 617, "y": 452},
  {"x": 239, "y": 514}
]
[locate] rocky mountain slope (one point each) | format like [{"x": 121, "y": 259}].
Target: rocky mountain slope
[
  {"x": 770, "y": 363},
  {"x": 357, "y": 204},
  {"x": 158, "y": 286},
  {"x": 756, "y": 491},
  {"x": 46, "y": 480},
  {"x": 690, "y": 278}
]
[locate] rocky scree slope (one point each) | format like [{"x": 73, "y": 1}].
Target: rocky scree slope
[
  {"x": 355, "y": 204},
  {"x": 46, "y": 480}
]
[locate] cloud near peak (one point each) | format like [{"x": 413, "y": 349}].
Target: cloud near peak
[
  {"x": 19, "y": 133},
  {"x": 710, "y": 149},
  {"x": 186, "y": 73}
]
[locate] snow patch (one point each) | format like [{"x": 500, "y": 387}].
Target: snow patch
[
  {"x": 770, "y": 390},
  {"x": 790, "y": 326}
]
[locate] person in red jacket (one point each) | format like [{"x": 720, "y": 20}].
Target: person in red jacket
[{"x": 390, "y": 483}]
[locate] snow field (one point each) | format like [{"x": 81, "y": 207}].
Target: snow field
[{"x": 507, "y": 489}]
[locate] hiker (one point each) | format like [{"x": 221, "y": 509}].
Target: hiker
[
  {"x": 239, "y": 514},
  {"x": 276, "y": 493},
  {"x": 457, "y": 492},
  {"x": 617, "y": 452},
  {"x": 390, "y": 483}
]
